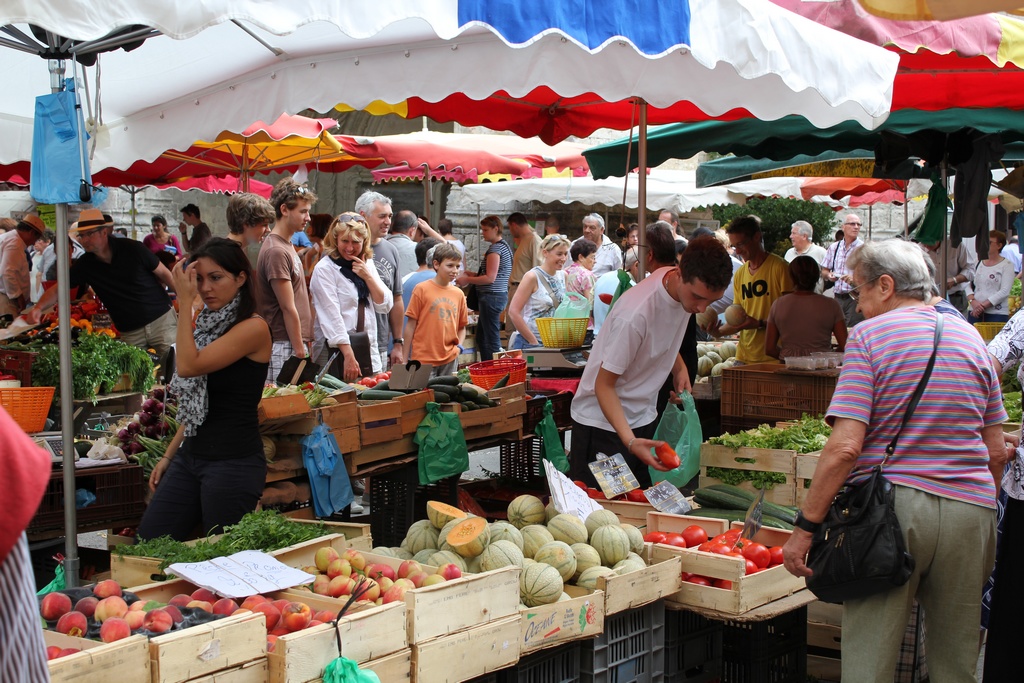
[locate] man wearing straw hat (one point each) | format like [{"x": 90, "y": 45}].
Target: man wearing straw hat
[
  {"x": 14, "y": 265},
  {"x": 129, "y": 280}
]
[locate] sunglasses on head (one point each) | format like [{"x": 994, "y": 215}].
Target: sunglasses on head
[{"x": 346, "y": 217}]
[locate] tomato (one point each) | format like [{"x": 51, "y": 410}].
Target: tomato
[
  {"x": 654, "y": 537},
  {"x": 368, "y": 382},
  {"x": 595, "y": 494},
  {"x": 758, "y": 554},
  {"x": 388, "y": 373},
  {"x": 685, "y": 576},
  {"x": 581, "y": 484},
  {"x": 776, "y": 555},
  {"x": 676, "y": 540},
  {"x": 381, "y": 376},
  {"x": 722, "y": 583},
  {"x": 667, "y": 455},
  {"x": 721, "y": 549},
  {"x": 707, "y": 546},
  {"x": 751, "y": 568},
  {"x": 735, "y": 553},
  {"x": 636, "y": 496},
  {"x": 699, "y": 580},
  {"x": 605, "y": 298},
  {"x": 694, "y": 535}
]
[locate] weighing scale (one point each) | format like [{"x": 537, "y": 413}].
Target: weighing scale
[
  {"x": 53, "y": 443},
  {"x": 570, "y": 358}
]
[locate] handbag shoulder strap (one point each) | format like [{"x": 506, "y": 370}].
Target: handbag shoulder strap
[
  {"x": 918, "y": 392},
  {"x": 362, "y": 316}
]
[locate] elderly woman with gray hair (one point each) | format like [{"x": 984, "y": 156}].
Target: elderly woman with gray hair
[{"x": 943, "y": 469}]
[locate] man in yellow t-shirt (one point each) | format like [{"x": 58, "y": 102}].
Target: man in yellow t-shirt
[{"x": 761, "y": 280}]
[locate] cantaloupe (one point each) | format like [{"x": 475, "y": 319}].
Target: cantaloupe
[
  {"x": 560, "y": 556},
  {"x": 442, "y": 535},
  {"x": 473, "y": 564},
  {"x": 503, "y": 531},
  {"x": 704, "y": 366},
  {"x": 401, "y": 553},
  {"x": 540, "y": 584},
  {"x": 586, "y": 557},
  {"x": 715, "y": 358},
  {"x": 628, "y": 565},
  {"x": 501, "y": 554},
  {"x": 611, "y": 543},
  {"x": 564, "y": 597},
  {"x": 424, "y": 555},
  {"x": 383, "y": 550},
  {"x": 534, "y": 536},
  {"x": 599, "y": 518},
  {"x": 421, "y": 535},
  {"x": 549, "y": 510},
  {"x": 568, "y": 529},
  {"x": 469, "y": 537},
  {"x": 636, "y": 539},
  {"x": 446, "y": 557},
  {"x": 727, "y": 349},
  {"x": 735, "y": 315},
  {"x": 440, "y": 514},
  {"x": 705, "y": 318},
  {"x": 588, "y": 579},
  {"x": 719, "y": 369},
  {"x": 526, "y": 510}
]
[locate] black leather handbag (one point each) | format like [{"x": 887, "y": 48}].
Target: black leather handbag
[
  {"x": 362, "y": 348},
  {"x": 859, "y": 549}
]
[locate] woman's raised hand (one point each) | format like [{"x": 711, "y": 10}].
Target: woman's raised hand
[
  {"x": 359, "y": 268},
  {"x": 185, "y": 286}
]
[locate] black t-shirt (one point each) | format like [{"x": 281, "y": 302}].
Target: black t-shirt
[
  {"x": 231, "y": 429},
  {"x": 127, "y": 285}
]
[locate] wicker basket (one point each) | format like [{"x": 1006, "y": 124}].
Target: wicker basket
[
  {"x": 988, "y": 331},
  {"x": 28, "y": 406},
  {"x": 562, "y": 332},
  {"x": 487, "y": 373}
]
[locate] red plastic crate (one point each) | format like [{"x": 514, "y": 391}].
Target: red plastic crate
[
  {"x": 119, "y": 491},
  {"x": 19, "y": 364}
]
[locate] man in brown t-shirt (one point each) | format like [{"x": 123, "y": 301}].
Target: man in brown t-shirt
[{"x": 280, "y": 279}]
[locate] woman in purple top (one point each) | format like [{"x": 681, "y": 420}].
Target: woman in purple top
[
  {"x": 942, "y": 470},
  {"x": 160, "y": 240}
]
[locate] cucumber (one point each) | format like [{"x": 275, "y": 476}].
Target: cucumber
[
  {"x": 446, "y": 380},
  {"x": 737, "y": 516},
  {"x": 379, "y": 395},
  {"x": 782, "y": 512},
  {"x": 482, "y": 401},
  {"x": 382, "y": 386},
  {"x": 719, "y": 499},
  {"x": 468, "y": 405},
  {"x": 442, "y": 396},
  {"x": 333, "y": 382},
  {"x": 468, "y": 392},
  {"x": 502, "y": 382}
]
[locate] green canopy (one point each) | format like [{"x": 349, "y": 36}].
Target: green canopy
[{"x": 790, "y": 136}]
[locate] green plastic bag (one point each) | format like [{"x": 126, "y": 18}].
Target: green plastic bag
[
  {"x": 574, "y": 305},
  {"x": 625, "y": 283},
  {"x": 345, "y": 670},
  {"x": 547, "y": 430},
  {"x": 442, "y": 446},
  {"x": 59, "y": 583},
  {"x": 932, "y": 229},
  {"x": 680, "y": 428}
]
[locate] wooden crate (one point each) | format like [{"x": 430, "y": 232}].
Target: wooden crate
[
  {"x": 507, "y": 394},
  {"x": 252, "y": 672},
  {"x": 208, "y": 648},
  {"x": 824, "y": 669},
  {"x": 396, "y": 668},
  {"x": 628, "y": 512},
  {"x": 805, "y": 466},
  {"x": 280, "y": 409},
  {"x": 640, "y": 587},
  {"x": 825, "y": 613},
  {"x": 481, "y": 416},
  {"x": 124, "y": 661},
  {"x": 467, "y": 654},
  {"x": 348, "y": 439},
  {"x": 344, "y": 414},
  {"x": 379, "y": 422},
  {"x": 747, "y": 592},
  {"x": 709, "y": 389},
  {"x": 368, "y": 454},
  {"x": 414, "y": 409},
  {"x": 763, "y": 460},
  {"x": 582, "y": 616},
  {"x": 825, "y": 636}
]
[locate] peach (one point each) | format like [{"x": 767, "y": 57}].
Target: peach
[
  {"x": 324, "y": 556},
  {"x": 135, "y": 619},
  {"x": 408, "y": 567},
  {"x": 73, "y": 624},
  {"x": 281, "y": 603},
  {"x": 395, "y": 594},
  {"x": 376, "y": 571},
  {"x": 106, "y": 589},
  {"x": 325, "y": 616},
  {"x": 113, "y": 606},
  {"x": 340, "y": 585},
  {"x": 87, "y": 605},
  {"x": 372, "y": 590},
  {"x": 278, "y": 632},
  {"x": 201, "y": 604},
  {"x": 137, "y": 606},
  {"x": 225, "y": 606},
  {"x": 339, "y": 568},
  {"x": 450, "y": 571},
  {"x": 69, "y": 651},
  {"x": 158, "y": 621},
  {"x": 314, "y": 622},
  {"x": 271, "y": 642},
  {"x": 204, "y": 595},
  {"x": 180, "y": 600},
  {"x": 433, "y": 580},
  {"x": 418, "y": 578},
  {"x": 355, "y": 558},
  {"x": 252, "y": 601},
  {"x": 272, "y": 614},
  {"x": 54, "y": 605},
  {"x": 321, "y": 583},
  {"x": 113, "y": 629},
  {"x": 311, "y": 570},
  {"x": 241, "y": 611},
  {"x": 296, "y": 616},
  {"x": 385, "y": 583},
  {"x": 174, "y": 612},
  {"x": 52, "y": 652}
]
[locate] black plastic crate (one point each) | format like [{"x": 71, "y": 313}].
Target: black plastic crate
[
  {"x": 397, "y": 500},
  {"x": 561, "y": 403},
  {"x": 693, "y": 648},
  {"x": 520, "y": 460},
  {"x": 631, "y": 649},
  {"x": 552, "y": 665},
  {"x": 770, "y": 651},
  {"x": 120, "y": 494}
]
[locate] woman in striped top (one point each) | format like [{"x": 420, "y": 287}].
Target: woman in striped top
[
  {"x": 942, "y": 469},
  {"x": 491, "y": 282}
]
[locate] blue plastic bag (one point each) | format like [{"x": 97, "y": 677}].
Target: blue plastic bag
[
  {"x": 57, "y": 152},
  {"x": 680, "y": 428},
  {"x": 328, "y": 477}
]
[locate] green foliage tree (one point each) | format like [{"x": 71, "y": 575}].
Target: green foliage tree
[{"x": 777, "y": 218}]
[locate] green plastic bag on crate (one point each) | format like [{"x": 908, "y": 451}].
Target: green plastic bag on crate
[
  {"x": 442, "y": 446},
  {"x": 551, "y": 441},
  {"x": 574, "y": 305},
  {"x": 59, "y": 583},
  {"x": 345, "y": 670},
  {"x": 680, "y": 428}
]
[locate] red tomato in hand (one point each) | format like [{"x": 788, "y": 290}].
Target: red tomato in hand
[
  {"x": 667, "y": 455},
  {"x": 636, "y": 496},
  {"x": 694, "y": 535},
  {"x": 758, "y": 554},
  {"x": 776, "y": 555},
  {"x": 676, "y": 540},
  {"x": 654, "y": 537}
]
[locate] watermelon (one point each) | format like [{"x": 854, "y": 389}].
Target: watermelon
[
  {"x": 588, "y": 579},
  {"x": 526, "y": 510},
  {"x": 599, "y": 518},
  {"x": 540, "y": 584},
  {"x": 611, "y": 543},
  {"x": 586, "y": 557},
  {"x": 501, "y": 554},
  {"x": 440, "y": 514},
  {"x": 636, "y": 539},
  {"x": 560, "y": 556},
  {"x": 503, "y": 531},
  {"x": 534, "y": 536},
  {"x": 568, "y": 529},
  {"x": 469, "y": 537}
]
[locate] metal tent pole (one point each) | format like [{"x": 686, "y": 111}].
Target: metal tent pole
[{"x": 641, "y": 192}]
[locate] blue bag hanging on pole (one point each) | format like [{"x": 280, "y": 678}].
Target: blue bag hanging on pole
[
  {"x": 328, "y": 477},
  {"x": 58, "y": 149}
]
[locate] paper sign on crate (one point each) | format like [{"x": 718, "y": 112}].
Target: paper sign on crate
[
  {"x": 667, "y": 498},
  {"x": 240, "y": 575},
  {"x": 566, "y": 496},
  {"x": 613, "y": 475}
]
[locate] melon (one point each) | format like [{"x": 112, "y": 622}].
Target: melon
[
  {"x": 718, "y": 369},
  {"x": 540, "y": 584},
  {"x": 442, "y": 535},
  {"x": 588, "y": 579},
  {"x": 469, "y": 537},
  {"x": 424, "y": 555},
  {"x": 549, "y": 511},
  {"x": 628, "y": 565},
  {"x": 611, "y": 543},
  {"x": 560, "y": 556},
  {"x": 440, "y": 514},
  {"x": 735, "y": 315},
  {"x": 383, "y": 550},
  {"x": 705, "y": 318},
  {"x": 503, "y": 531},
  {"x": 401, "y": 553},
  {"x": 727, "y": 349},
  {"x": 473, "y": 564},
  {"x": 534, "y": 536},
  {"x": 421, "y": 535},
  {"x": 526, "y": 510},
  {"x": 634, "y": 556},
  {"x": 715, "y": 358},
  {"x": 704, "y": 366},
  {"x": 636, "y": 539},
  {"x": 586, "y": 557},
  {"x": 501, "y": 554},
  {"x": 528, "y": 561},
  {"x": 446, "y": 557},
  {"x": 568, "y": 529},
  {"x": 599, "y": 518},
  {"x": 564, "y": 596}
]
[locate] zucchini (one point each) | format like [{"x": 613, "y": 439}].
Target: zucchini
[
  {"x": 737, "y": 516},
  {"x": 446, "y": 380},
  {"x": 382, "y": 386},
  {"x": 333, "y": 382},
  {"x": 379, "y": 395},
  {"x": 469, "y": 393},
  {"x": 502, "y": 382},
  {"x": 782, "y": 512},
  {"x": 482, "y": 401},
  {"x": 442, "y": 396},
  {"x": 468, "y": 405},
  {"x": 720, "y": 499}
]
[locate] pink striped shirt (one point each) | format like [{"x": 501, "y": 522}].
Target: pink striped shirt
[{"x": 941, "y": 450}]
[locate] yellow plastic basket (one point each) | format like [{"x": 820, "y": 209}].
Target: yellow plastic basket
[
  {"x": 562, "y": 332},
  {"x": 28, "y": 406},
  {"x": 988, "y": 331}
]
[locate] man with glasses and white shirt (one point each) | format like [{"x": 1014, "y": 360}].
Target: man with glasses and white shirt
[{"x": 833, "y": 268}]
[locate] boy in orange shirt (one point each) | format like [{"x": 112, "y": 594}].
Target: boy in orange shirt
[{"x": 437, "y": 315}]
